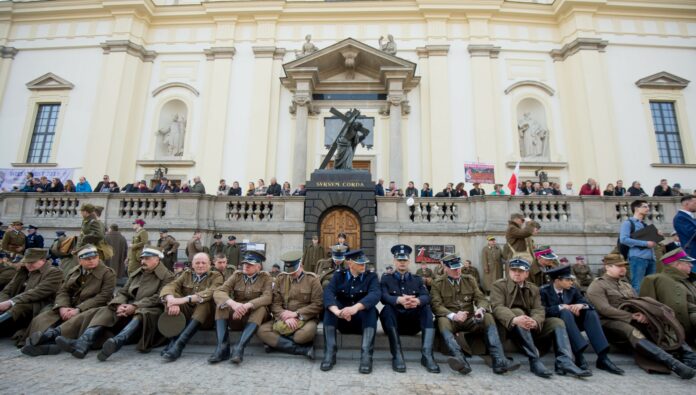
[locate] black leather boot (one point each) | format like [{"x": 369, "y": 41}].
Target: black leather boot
[
  {"x": 604, "y": 363},
  {"x": 653, "y": 351},
  {"x": 44, "y": 349},
  {"x": 5, "y": 316},
  {"x": 457, "y": 361},
  {"x": 48, "y": 336},
  {"x": 398, "y": 363},
  {"x": 238, "y": 349},
  {"x": 330, "y": 348},
  {"x": 564, "y": 361},
  {"x": 427, "y": 360},
  {"x": 115, "y": 343},
  {"x": 580, "y": 361},
  {"x": 290, "y": 347},
  {"x": 222, "y": 351},
  {"x": 175, "y": 350},
  {"x": 366, "y": 350},
  {"x": 526, "y": 343},
  {"x": 500, "y": 362},
  {"x": 168, "y": 346},
  {"x": 687, "y": 356},
  {"x": 80, "y": 346}
]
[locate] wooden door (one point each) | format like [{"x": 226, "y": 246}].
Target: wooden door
[{"x": 336, "y": 221}]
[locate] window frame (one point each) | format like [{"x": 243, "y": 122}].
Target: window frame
[{"x": 42, "y": 157}]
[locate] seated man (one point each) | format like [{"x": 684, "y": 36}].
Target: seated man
[
  {"x": 88, "y": 286},
  {"x": 407, "y": 311},
  {"x": 297, "y": 302},
  {"x": 242, "y": 302},
  {"x": 32, "y": 288},
  {"x": 517, "y": 308},
  {"x": 461, "y": 306},
  {"x": 582, "y": 273},
  {"x": 564, "y": 301},
  {"x": 607, "y": 293},
  {"x": 135, "y": 308},
  {"x": 469, "y": 270},
  {"x": 327, "y": 267},
  {"x": 349, "y": 305},
  {"x": 7, "y": 270},
  {"x": 222, "y": 265},
  {"x": 191, "y": 294}
]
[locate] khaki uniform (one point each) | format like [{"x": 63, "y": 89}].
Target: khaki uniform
[
  {"x": 228, "y": 272},
  {"x": 449, "y": 296},
  {"x": 139, "y": 241},
  {"x": 303, "y": 296},
  {"x": 7, "y": 271},
  {"x": 14, "y": 242},
  {"x": 233, "y": 254},
  {"x": 473, "y": 272},
  {"x": 193, "y": 247},
  {"x": 169, "y": 247},
  {"x": 673, "y": 288},
  {"x": 606, "y": 294},
  {"x": 516, "y": 239},
  {"x": 92, "y": 232},
  {"x": 428, "y": 276},
  {"x": 311, "y": 256},
  {"x": 184, "y": 285},
  {"x": 583, "y": 276},
  {"x": 216, "y": 248},
  {"x": 492, "y": 262},
  {"x": 241, "y": 289},
  {"x": 85, "y": 291},
  {"x": 325, "y": 270}
]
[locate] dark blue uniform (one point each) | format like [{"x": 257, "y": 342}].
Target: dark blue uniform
[
  {"x": 34, "y": 241},
  {"x": 344, "y": 290},
  {"x": 393, "y": 315}
]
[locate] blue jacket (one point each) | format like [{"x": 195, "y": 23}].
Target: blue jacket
[
  {"x": 345, "y": 290},
  {"x": 685, "y": 226},
  {"x": 637, "y": 248},
  {"x": 34, "y": 241},
  {"x": 83, "y": 187},
  {"x": 395, "y": 285},
  {"x": 551, "y": 302},
  {"x": 379, "y": 190}
]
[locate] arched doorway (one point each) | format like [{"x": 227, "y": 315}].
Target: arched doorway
[{"x": 335, "y": 221}]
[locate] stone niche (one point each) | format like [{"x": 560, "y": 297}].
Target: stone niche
[{"x": 171, "y": 130}]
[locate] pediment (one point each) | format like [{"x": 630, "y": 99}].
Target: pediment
[
  {"x": 663, "y": 80},
  {"x": 49, "y": 81}
]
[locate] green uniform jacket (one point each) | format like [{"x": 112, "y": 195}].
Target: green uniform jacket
[
  {"x": 492, "y": 263},
  {"x": 185, "y": 286},
  {"x": 449, "y": 298},
  {"x": 7, "y": 271},
  {"x": 516, "y": 238},
  {"x": 583, "y": 275},
  {"x": 259, "y": 293},
  {"x": 428, "y": 276},
  {"x": 606, "y": 294},
  {"x": 304, "y": 297},
  {"x": 503, "y": 294},
  {"x": 673, "y": 288},
  {"x": 36, "y": 289},
  {"x": 325, "y": 270},
  {"x": 311, "y": 255},
  {"x": 139, "y": 241},
  {"x": 216, "y": 248},
  {"x": 14, "y": 242},
  {"x": 233, "y": 254},
  {"x": 473, "y": 272}
]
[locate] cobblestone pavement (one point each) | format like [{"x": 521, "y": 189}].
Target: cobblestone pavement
[{"x": 130, "y": 372}]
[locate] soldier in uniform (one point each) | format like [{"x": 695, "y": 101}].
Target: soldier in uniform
[
  {"x": 297, "y": 303},
  {"x": 426, "y": 274},
  {"x": 327, "y": 267},
  {"x": 516, "y": 236},
  {"x": 517, "y": 307},
  {"x": 275, "y": 271},
  {"x": 562, "y": 300},
  {"x": 135, "y": 309},
  {"x": 34, "y": 240},
  {"x": 194, "y": 246},
  {"x": 222, "y": 265},
  {"x": 233, "y": 253},
  {"x": 169, "y": 246},
  {"x": 492, "y": 258},
  {"x": 349, "y": 306},
  {"x": 217, "y": 247},
  {"x": 14, "y": 241},
  {"x": 607, "y": 293},
  {"x": 545, "y": 260},
  {"x": 88, "y": 286},
  {"x": 469, "y": 270},
  {"x": 191, "y": 295},
  {"x": 583, "y": 274},
  {"x": 140, "y": 239},
  {"x": 92, "y": 232},
  {"x": 460, "y": 306},
  {"x": 32, "y": 288},
  {"x": 7, "y": 270},
  {"x": 312, "y": 254},
  {"x": 242, "y": 302},
  {"x": 407, "y": 311}
]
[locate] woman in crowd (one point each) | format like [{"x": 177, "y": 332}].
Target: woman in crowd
[
  {"x": 286, "y": 191},
  {"x": 426, "y": 191},
  {"x": 235, "y": 190},
  {"x": 609, "y": 190}
]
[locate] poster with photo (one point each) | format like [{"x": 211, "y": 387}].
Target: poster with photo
[{"x": 432, "y": 253}]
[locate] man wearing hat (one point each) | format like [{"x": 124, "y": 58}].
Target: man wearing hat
[
  {"x": 469, "y": 270},
  {"x": 517, "y": 307},
  {"x": 119, "y": 245},
  {"x": 327, "y": 267},
  {"x": 34, "y": 240},
  {"x": 673, "y": 288},
  {"x": 242, "y": 303},
  {"x": 139, "y": 241},
  {"x": 407, "y": 311},
  {"x": 14, "y": 241},
  {"x": 169, "y": 246},
  {"x": 313, "y": 252},
  {"x": 88, "y": 286},
  {"x": 275, "y": 271},
  {"x": 233, "y": 253},
  {"x": 132, "y": 313},
  {"x": 426, "y": 274},
  {"x": 545, "y": 260},
  {"x": 583, "y": 274},
  {"x": 349, "y": 306},
  {"x": 7, "y": 270},
  {"x": 188, "y": 301},
  {"x": 607, "y": 294},
  {"x": 194, "y": 246},
  {"x": 492, "y": 262},
  {"x": 461, "y": 307},
  {"x": 518, "y": 236},
  {"x": 297, "y": 303},
  {"x": 221, "y": 264},
  {"x": 56, "y": 252},
  {"x": 92, "y": 232},
  {"x": 217, "y": 247},
  {"x": 562, "y": 300},
  {"x": 32, "y": 288}
]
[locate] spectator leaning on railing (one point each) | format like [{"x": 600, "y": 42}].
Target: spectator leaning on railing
[
  {"x": 663, "y": 189},
  {"x": 636, "y": 190},
  {"x": 590, "y": 188}
]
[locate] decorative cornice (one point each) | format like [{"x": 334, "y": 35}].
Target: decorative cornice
[
  {"x": 175, "y": 85},
  {"x": 220, "y": 53},
  {"x": 8, "y": 52},
  {"x": 663, "y": 80},
  {"x": 483, "y": 50},
  {"x": 432, "y": 50},
  {"x": 264, "y": 51},
  {"x": 49, "y": 81},
  {"x": 579, "y": 44},
  {"x": 532, "y": 83},
  {"x": 129, "y": 47}
]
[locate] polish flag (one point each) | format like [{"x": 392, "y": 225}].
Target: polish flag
[{"x": 512, "y": 184}]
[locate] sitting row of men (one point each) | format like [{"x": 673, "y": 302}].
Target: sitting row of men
[{"x": 49, "y": 311}]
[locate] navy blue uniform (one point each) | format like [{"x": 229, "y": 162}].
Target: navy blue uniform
[
  {"x": 393, "y": 315},
  {"x": 344, "y": 290},
  {"x": 35, "y": 241}
]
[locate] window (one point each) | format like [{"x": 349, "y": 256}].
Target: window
[
  {"x": 669, "y": 145},
  {"x": 43, "y": 134}
]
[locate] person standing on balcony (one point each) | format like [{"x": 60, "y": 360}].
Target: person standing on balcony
[
  {"x": 663, "y": 189},
  {"x": 411, "y": 190},
  {"x": 590, "y": 188},
  {"x": 83, "y": 186},
  {"x": 477, "y": 190},
  {"x": 198, "y": 186},
  {"x": 274, "y": 188},
  {"x": 636, "y": 190}
]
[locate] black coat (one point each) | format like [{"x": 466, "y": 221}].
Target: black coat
[
  {"x": 550, "y": 299},
  {"x": 274, "y": 189}
]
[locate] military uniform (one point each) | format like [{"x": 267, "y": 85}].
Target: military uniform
[
  {"x": 92, "y": 232},
  {"x": 538, "y": 271},
  {"x": 7, "y": 272},
  {"x": 193, "y": 247},
  {"x": 228, "y": 272},
  {"x": 492, "y": 258},
  {"x": 516, "y": 238},
  {"x": 14, "y": 242},
  {"x": 34, "y": 240},
  {"x": 311, "y": 256},
  {"x": 188, "y": 283},
  {"x": 140, "y": 239},
  {"x": 233, "y": 254},
  {"x": 427, "y": 275},
  {"x": 473, "y": 272},
  {"x": 169, "y": 247},
  {"x": 673, "y": 288},
  {"x": 217, "y": 247},
  {"x": 583, "y": 276}
]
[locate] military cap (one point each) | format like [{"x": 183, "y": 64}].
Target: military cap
[
  {"x": 164, "y": 230},
  {"x": 489, "y": 238},
  {"x": 275, "y": 265},
  {"x": 544, "y": 252},
  {"x": 32, "y": 255},
  {"x": 231, "y": 237},
  {"x": 519, "y": 263},
  {"x": 452, "y": 261},
  {"x": 253, "y": 258},
  {"x": 151, "y": 251},
  {"x": 217, "y": 236},
  {"x": 338, "y": 252},
  {"x": 401, "y": 252},
  {"x": 15, "y": 223},
  {"x": 389, "y": 267},
  {"x": 179, "y": 265},
  {"x": 17, "y": 259},
  {"x": 563, "y": 260},
  {"x": 357, "y": 256},
  {"x": 561, "y": 272},
  {"x": 291, "y": 261},
  {"x": 139, "y": 222},
  {"x": 614, "y": 259},
  {"x": 60, "y": 233},
  {"x": 676, "y": 255},
  {"x": 87, "y": 208},
  {"x": 171, "y": 325},
  {"x": 87, "y": 251},
  {"x": 33, "y": 227}
]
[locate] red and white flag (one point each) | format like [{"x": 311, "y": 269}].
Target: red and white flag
[{"x": 512, "y": 184}]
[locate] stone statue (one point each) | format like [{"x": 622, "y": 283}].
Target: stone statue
[
  {"x": 307, "y": 48},
  {"x": 352, "y": 134},
  {"x": 533, "y": 138},
  {"x": 173, "y": 136},
  {"x": 389, "y": 46}
]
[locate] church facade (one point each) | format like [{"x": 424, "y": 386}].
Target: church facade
[{"x": 242, "y": 90}]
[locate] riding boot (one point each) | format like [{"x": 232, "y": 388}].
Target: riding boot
[
  {"x": 48, "y": 336},
  {"x": 366, "y": 350},
  {"x": 653, "y": 351},
  {"x": 175, "y": 350},
  {"x": 427, "y": 360},
  {"x": 222, "y": 351},
  {"x": 44, "y": 349},
  {"x": 114, "y": 344},
  {"x": 564, "y": 361},
  {"x": 80, "y": 346},
  {"x": 526, "y": 342},
  {"x": 604, "y": 363},
  {"x": 330, "y": 348},
  {"x": 687, "y": 356},
  {"x": 500, "y": 363},
  {"x": 457, "y": 361},
  {"x": 238, "y": 349},
  {"x": 290, "y": 347},
  {"x": 398, "y": 363}
]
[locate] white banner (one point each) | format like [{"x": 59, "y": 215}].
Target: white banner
[{"x": 10, "y": 178}]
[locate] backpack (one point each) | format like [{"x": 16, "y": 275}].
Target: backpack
[{"x": 623, "y": 248}]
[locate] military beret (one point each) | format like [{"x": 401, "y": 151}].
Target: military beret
[
  {"x": 253, "y": 258},
  {"x": 544, "y": 252},
  {"x": 291, "y": 261},
  {"x": 563, "y": 260},
  {"x": 357, "y": 256},
  {"x": 614, "y": 259},
  {"x": 231, "y": 237},
  {"x": 151, "y": 251},
  {"x": 87, "y": 208},
  {"x": 139, "y": 222},
  {"x": 452, "y": 261},
  {"x": 676, "y": 255},
  {"x": 519, "y": 263},
  {"x": 401, "y": 252},
  {"x": 561, "y": 272},
  {"x": 32, "y": 255},
  {"x": 87, "y": 251}
]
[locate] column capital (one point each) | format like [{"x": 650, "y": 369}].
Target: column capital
[
  {"x": 483, "y": 50},
  {"x": 579, "y": 44},
  {"x": 433, "y": 50},
  {"x": 302, "y": 99},
  {"x": 129, "y": 47},
  {"x": 8, "y": 52},
  {"x": 214, "y": 53},
  {"x": 397, "y": 99}
]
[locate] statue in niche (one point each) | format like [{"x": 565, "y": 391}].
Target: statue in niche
[
  {"x": 308, "y": 47},
  {"x": 173, "y": 136},
  {"x": 534, "y": 138},
  {"x": 389, "y": 46}
]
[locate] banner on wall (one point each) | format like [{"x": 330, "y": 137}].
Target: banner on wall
[
  {"x": 10, "y": 178},
  {"x": 479, "y": 172},
  {"x": 432, "y": 253}
]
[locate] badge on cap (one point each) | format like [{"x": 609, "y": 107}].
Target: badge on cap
[
  {"x": 149, "y": 251},
  {"x": 338, "y": 252},
  {"x": 253, "y": 258},
  {"x": 452, "y": 261},
  {"x": 519, "y": 263},
  {"x": 87, "y": 251},
  {"x": 291, "y": 261},
  {"x": 401, "y": 252},
  {"x": 357, "y": 256}
]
